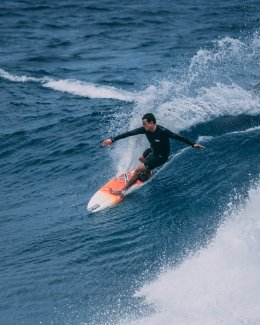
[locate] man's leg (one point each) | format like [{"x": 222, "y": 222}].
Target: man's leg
[
  {"x": 134, "y": 178},
  {"x": 131, "y": 182},
  {"x": 146, "y": 154}
]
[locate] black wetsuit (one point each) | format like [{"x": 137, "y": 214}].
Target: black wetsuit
[{"x": 159, "y": 140}]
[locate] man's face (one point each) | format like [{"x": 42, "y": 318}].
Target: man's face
[{"x": 148, "y": 126}]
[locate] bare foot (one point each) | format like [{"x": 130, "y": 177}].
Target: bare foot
[{"x": 117, "y": 192}]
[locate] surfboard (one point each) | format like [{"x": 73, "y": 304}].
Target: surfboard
[{"x": 104, "y": 199}]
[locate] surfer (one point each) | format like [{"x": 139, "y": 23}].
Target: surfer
[{"x": 158, "y": 153}]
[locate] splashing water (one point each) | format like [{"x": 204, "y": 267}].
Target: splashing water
[
  {"x": 219, "y": 82},
  {"x": 218, "y": 285}
]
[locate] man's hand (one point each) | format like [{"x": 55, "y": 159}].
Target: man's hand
[
  {"x": 107, "y": 142},
  {"x": 199, "y": 146}
]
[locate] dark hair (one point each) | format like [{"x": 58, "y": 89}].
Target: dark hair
[{"x": 149, "y": 117}]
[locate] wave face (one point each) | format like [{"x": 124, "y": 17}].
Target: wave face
[{"x": 184, "y": 248}]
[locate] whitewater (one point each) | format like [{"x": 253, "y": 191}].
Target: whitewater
[{"x": 218, "y": 284}]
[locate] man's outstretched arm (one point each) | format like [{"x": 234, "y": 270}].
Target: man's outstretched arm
[
  {"x": 178, "y": 137},
  {"x": 109, "y": 141}
]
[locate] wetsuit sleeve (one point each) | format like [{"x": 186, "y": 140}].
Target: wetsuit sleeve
[
  {"x": 128, "y": 134},
  {"x": 175, "y": 136}
]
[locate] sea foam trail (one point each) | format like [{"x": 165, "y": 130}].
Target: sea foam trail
[
  {"x": 218, "y": 285},
  {"x": 6, "y": 75},
  {"x": 74, "y": 87}
]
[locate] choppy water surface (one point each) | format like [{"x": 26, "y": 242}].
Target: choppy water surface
[{"x": 184, "y": 248}]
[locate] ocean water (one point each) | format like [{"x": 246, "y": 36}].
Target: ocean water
[{"x": 184, "y": 249}]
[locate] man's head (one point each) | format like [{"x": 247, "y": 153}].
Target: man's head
[{"x": 149, "y": 122}]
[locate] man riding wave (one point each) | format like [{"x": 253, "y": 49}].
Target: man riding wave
[{"x": 158, "y": 153}]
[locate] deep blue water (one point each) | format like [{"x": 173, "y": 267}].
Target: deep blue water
[{"x": 75, "y": 72}]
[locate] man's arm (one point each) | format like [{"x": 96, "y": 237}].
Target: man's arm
[
  {"x": 178, "y": 137},
  {"x": 108, "y": 142}
]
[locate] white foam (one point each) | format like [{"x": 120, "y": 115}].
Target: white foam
[
  {"x": 6, "y": 75},
  {"x": 89, "y": 90},
  {"x": 220, "y": 284},
  {"x": 74, "y": 87}
]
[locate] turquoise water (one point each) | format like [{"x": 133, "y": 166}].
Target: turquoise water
[{"x": 184, "y": 248}]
